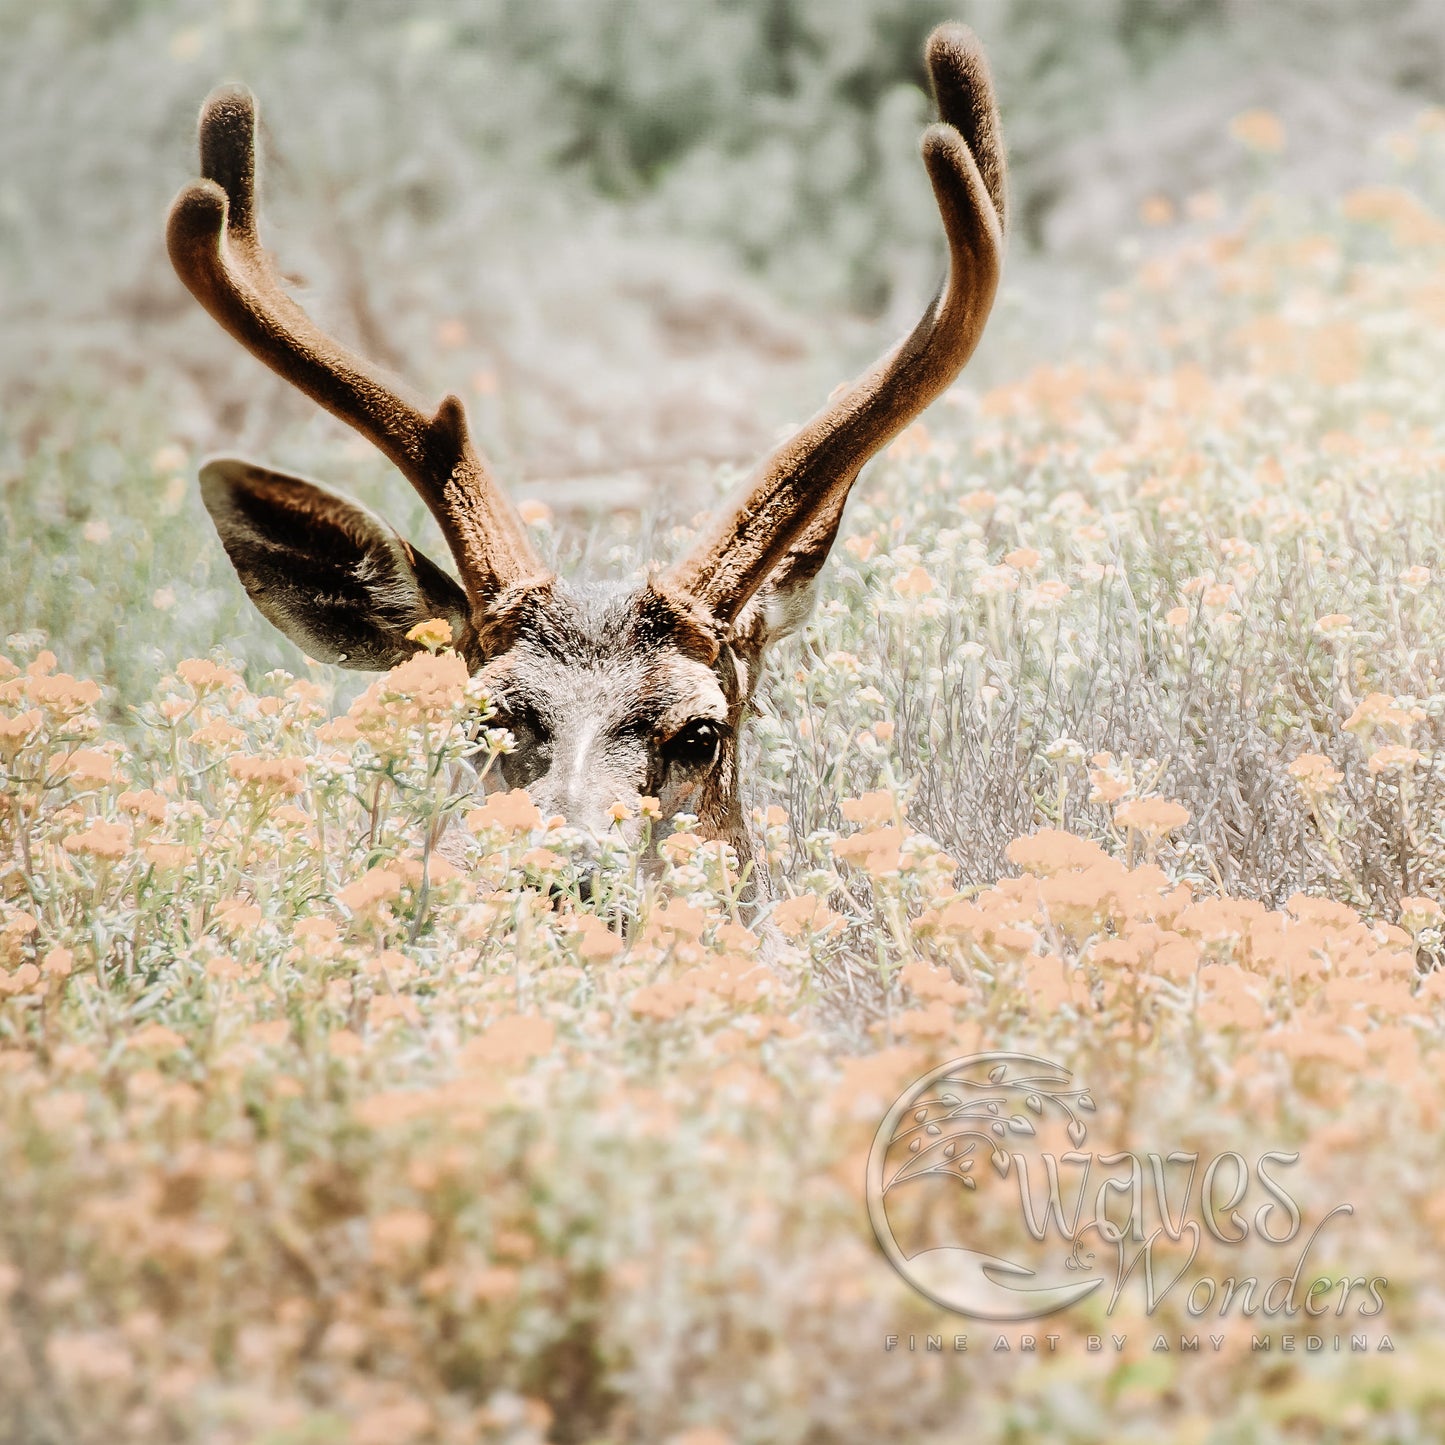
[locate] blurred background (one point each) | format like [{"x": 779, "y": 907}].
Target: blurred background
[
  {"x": 635, "y": 233},
  {"x": 638, "y": 236}
]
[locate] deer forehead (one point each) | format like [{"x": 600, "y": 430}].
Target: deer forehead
[{"x": 595, "y": 658}]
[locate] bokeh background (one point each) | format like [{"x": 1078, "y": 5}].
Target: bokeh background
[{"x": 639, "y": 237}]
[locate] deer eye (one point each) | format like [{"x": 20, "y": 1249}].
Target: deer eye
[
  {"x": 695, "y": 745},
  {"x": 532, "y": 754},
  {"x": 522, "y": 722}
]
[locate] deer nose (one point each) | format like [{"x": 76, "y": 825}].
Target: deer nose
[
  {"x": 589, "y": 882},
  {"x": 579, "y": 801},
  {"x": 586, "y": 822},
  {"x": 584, "y": 851}
]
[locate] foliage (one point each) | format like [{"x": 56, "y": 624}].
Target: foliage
[
  {"x": 329, "y": 1110},
  {"x": 619, "y": 228}
]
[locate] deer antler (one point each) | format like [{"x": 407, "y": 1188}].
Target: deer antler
[
  {"x": 800, "y": 489},
  {"x": 211, "y": 236}
]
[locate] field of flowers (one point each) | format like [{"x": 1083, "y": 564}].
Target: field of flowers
[{"x": 1116, "y": 740}]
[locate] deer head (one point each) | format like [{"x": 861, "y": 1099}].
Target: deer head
[{"x": 612, "y": 692}]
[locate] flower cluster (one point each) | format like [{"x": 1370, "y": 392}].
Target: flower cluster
[{"x": 333, "y": 1106}]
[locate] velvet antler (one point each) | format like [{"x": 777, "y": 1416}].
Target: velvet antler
[
  {"x": 211, "y": 236},
  {"x": 788, "y": 511}
]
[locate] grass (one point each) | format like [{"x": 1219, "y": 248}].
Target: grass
[{"x": 1116, "y": 740}]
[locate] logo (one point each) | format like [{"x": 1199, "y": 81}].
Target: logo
[{"x": 983, "y": 1144}]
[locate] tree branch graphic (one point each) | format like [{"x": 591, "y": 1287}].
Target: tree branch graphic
[{"x": 949, "y": 1121}]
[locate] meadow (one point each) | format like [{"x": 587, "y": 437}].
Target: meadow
[{"x": 1116, "y": 739}]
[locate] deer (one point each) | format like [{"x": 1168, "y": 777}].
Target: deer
[{"x": 611, "y": 691}]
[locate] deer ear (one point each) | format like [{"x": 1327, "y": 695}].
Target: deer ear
[
  {"x": 785, "y": 601},
  {"x": 339, "y": 582}
]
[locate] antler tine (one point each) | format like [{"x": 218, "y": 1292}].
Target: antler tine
[
  {"x": 213, "y": 244},
  {"x": 803, "y": 484}
]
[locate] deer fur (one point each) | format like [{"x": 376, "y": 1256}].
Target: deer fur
[{"x": 612, "y": 691}]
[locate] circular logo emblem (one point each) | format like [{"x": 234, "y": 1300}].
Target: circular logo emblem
[{"x": 952, "y": 1133}]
